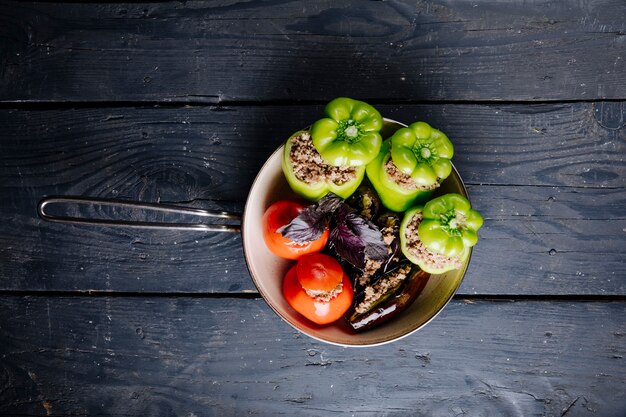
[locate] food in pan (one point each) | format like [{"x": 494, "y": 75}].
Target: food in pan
[
  {"x": 318, "y": 288},
  {"x": 349, "y": 134},
  {"x": 410, "y": 165},
  {"x": 331, "y": 156},
  {"x": 438, "y": 236},
  {"x": 384, "y": 288},
  {"x": 393, "y": 293},
  {"x": 278, "y": 215},
  {"x": 370, "y": 249},
  {"x": 310, "y": 176}
]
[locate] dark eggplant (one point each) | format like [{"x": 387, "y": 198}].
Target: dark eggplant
[
  {"x": 395, "y": 300},
  {"x": 389, "y": 224},
  {"x": 365, "y": 201}
]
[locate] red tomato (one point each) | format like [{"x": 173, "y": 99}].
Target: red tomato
[
  {"x": 279, "y": 214},
  {"x": 319, "y": 272},
  {"x": 320, "y": 312}
]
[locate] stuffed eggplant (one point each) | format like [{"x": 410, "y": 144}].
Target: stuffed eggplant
[{"x": 391, "y": 294}]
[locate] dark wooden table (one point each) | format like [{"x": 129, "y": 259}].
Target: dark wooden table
[{"x": 181, "y": 102}]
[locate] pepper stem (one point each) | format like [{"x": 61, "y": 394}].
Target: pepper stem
[
  {"x": 425, "y": 152},
  {"x": 452, "y": 223},
  {"x": 351, "y": 131}
]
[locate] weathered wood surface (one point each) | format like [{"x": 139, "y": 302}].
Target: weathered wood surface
[
  {"x": 233, "y": 357},
  {"x": 286, "y": 50},
  {"x": 549, "y": 179},
  {"x": 572, "y": 145},
  {"x": 92, "y": 102}
]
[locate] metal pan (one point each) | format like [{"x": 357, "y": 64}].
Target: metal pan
[{"x": 267, "y": 270}]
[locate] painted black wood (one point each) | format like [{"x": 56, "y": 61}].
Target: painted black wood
[
  {"x": 190, "y": 152},
  {"x": 295, "y": 50},
  {"x": 549, "y": 180},
  {"x": 204, "y": 357}
]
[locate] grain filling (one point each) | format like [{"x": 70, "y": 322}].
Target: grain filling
[
  {"x": 417, "y": 248},
  {"x": 309, "y": 167}
]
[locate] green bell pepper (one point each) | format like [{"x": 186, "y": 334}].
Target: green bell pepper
[
  {"x": 449, "y": 228},
  {"x": 422, "y": 152},
  {"x": 418, "y": 151},
  {"x": 393, "y": 196},
  {"x": 449, "y": 225},
  {"x": 349, "y": 135},
  {"x": 317, "y": 190}
]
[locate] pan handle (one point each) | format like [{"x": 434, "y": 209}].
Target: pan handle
[{"x": 43, "y": 209}]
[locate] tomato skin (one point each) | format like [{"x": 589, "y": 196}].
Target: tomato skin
[
  {"x": 279, "y": 214},
  {"x": 319, "y": 272},
  {"x": 320, "y": 312}
]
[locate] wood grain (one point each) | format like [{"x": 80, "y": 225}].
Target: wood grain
[
  {"x": 545, "y": 216},
  {"x": 190, "y": 356},
  {"x": 294, "y": 50},
  {"x": 182, "y": 153}
]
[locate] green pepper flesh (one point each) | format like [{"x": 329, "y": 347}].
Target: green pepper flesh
[
  {"x": 422, "y": 152},
  {"x": 314, "y": 192},
  {"x": 392, "y": 195},
  {"x": 449, "y": 228},
  {"x": 349, "y": 135},
  {"x": 449, "y": 225}
]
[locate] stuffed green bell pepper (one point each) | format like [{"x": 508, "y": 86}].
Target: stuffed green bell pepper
[
  {"x": 310, "y": 176},
  {"x": 412, "y": 163},
  {"x": 349, "y": 135},
  {"x": 438, "y": 236}
]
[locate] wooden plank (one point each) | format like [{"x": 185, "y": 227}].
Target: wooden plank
[
  {"x": 571, "y": 144},
  {"x": 560, "y": 194},
  {"x": 194, "y": 356},
  {"x": 183, "y": 153},
  {"x": 547, "y": 240},
  {"x": 295, "y": 50}
]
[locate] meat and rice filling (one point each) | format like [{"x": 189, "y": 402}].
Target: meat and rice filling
[
  {"x": 417, "y": 248},
  {"x": 373, "y": 293},
  {"x": 309, "y": 167},
  {"x": 325, "y": 295},
  {"x": 404, "y": 180},
  {"x": 372, "y": 266}
]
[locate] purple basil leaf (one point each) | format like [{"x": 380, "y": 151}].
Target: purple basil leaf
[
  {"x": 341, "y": 213},
  {"x": 354, "y": 238},
  {"x": 329, "y": 203},
  {"x": 310, "y": 224},
  {"x": 370, "y": 235},
  {"x": 348, "y": 245},
  {"x": 307, "y": 226}
]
